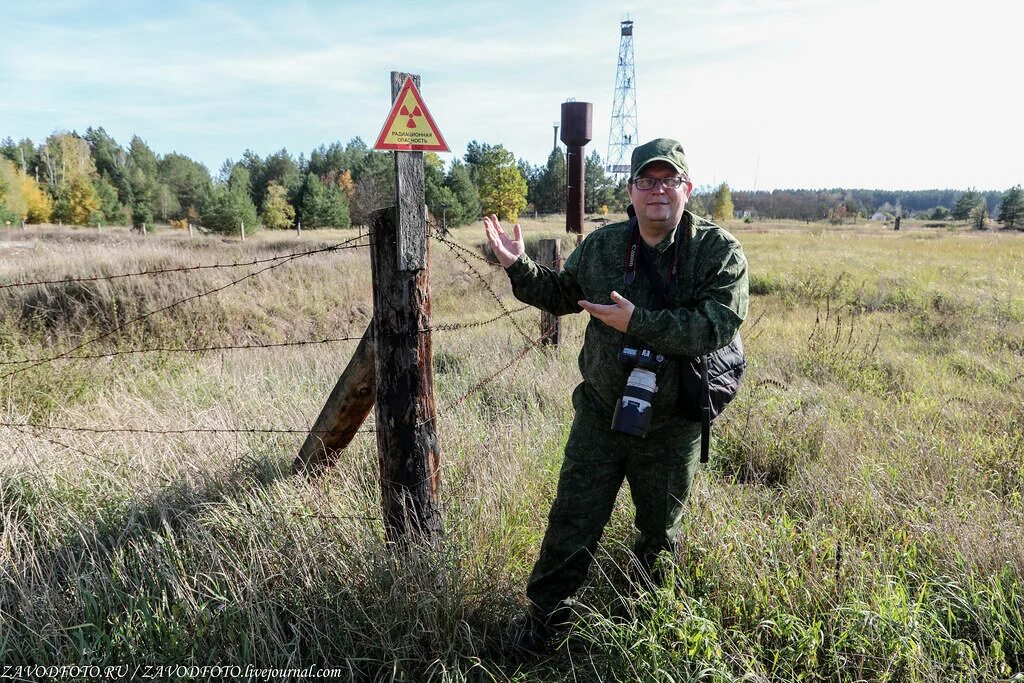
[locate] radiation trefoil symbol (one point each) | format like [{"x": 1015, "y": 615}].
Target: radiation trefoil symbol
[{"x": 404, "y": 111}]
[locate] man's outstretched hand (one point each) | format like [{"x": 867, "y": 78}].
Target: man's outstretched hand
[
  {"x": 616, "y": 315},
  {"x": 506, "y": 248}
]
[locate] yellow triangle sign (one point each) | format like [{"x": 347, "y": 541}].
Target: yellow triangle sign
[{"x": 409, "y": 126}]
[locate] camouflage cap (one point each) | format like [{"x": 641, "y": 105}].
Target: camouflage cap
[{"x": 659, "y": 149}]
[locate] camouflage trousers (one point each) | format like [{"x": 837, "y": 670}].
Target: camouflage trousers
[{"x": 659, "y": 469}]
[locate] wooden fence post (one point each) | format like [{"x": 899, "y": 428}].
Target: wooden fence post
[
  {"x": 406, "y": 438},
  {"x": 298, "y": 229},
  {"x": 241, "y": 229},
  {"x": 190, "y": 230},
  {"x": 550, "y": 325},
  {"x": 346, "y": 409}
]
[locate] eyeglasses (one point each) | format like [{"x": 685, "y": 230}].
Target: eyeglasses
[{"x": 670, "y": 183}]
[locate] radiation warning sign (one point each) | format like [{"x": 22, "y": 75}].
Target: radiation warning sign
[{"x": 409, "y": 126}]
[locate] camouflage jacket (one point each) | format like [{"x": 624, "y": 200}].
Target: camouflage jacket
[{"x": 708, "y": 305}]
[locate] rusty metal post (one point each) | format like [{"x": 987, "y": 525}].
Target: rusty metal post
[
  {"x": 550, "y": 325},
  {"x": 576, "y": 133},
  {"x": 407, "y": 446}
]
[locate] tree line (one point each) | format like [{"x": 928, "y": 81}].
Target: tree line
[
  {"x": 91, "y": 179},
  {"x": 839, "y": 205}
]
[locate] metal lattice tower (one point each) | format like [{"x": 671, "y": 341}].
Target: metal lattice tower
[{"x": 622, "y": 135}]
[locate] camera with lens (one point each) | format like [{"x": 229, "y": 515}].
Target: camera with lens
[{"x": 633, "y": 412}]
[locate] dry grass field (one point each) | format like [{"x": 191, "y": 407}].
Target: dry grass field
[{"x": 861, "y": 519}]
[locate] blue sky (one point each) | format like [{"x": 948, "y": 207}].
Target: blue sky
[{"x": 782, "y": 93}]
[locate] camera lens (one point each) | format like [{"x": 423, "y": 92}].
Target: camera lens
[{"x": 633, "y": 412}]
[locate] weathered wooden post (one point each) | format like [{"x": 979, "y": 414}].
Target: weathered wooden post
[
  {"x": 143, "y": 228},
  {"x": 346, "y": 409},
  {"x": 393, "y": 363},
  {"x": 407, "y": 445},
  {"x": 190, "y": 230},
  {"x": 23, "y": 224},
  {"x": 298, "y": 229},
  {"x": 241, "y": 229},
  {"x": 550, "y": 325}
]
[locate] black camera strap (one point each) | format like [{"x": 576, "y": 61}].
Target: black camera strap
[{"x": 639, "y": 252}]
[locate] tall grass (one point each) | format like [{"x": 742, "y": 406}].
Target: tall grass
[{"x": 861, "y": 518}]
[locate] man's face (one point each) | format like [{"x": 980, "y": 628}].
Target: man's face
[{"x": 659, "y": 207}]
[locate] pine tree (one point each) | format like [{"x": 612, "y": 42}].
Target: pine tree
[
  {"x": 324, "y": 206},
  {"x": 111, "y": 211},
  {"x": 1011, "y": 207},
  {"x": 465, "y": 192},
  {"x": 440, "y": 200},
  {"x": 598, "y": 188},
  {"x": 230, "y": 206},
  {"x": 550, "y": 192},
  {"x": 966, "y": 203}
]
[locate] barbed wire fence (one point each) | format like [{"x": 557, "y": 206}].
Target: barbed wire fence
[{"x": 44, "y": 430}]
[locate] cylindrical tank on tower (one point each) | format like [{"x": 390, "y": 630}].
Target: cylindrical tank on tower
[{"x": 576, "y": 123}]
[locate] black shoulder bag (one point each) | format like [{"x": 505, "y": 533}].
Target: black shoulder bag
[{"x": 706, "y": 383}]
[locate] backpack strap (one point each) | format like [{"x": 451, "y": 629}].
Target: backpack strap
[
  {"x": 705, "y": 410},
  {"x": 705, "y": 383}
]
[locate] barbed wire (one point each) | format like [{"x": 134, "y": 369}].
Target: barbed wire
[
  {"x": 179, "y": 302},
  {"x": 487, "y": 286},
  {"x": 162, "y": 432},
  {"x": 518, "y": 358},
  {"x": 27, "y": 431},
  {"x": 275, "y": 262},
  {"x": 433, "y": 231},
  {"x": 442, "y": 327},
  {"x": 184, "y": 269}
]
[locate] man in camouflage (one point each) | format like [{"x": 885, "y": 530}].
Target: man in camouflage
[{"x": 707, "y": 288}]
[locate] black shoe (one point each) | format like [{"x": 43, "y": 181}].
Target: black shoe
[{"x": 531, "y": 636}]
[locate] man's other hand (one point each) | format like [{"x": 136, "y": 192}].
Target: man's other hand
[
  {"x": 616, "y": 315},
  {"x": 506, "y": 248}
]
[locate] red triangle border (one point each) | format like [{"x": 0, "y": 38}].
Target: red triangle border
[{"x": 395, "y": 106}]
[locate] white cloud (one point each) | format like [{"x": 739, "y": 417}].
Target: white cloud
[{"x": 904, "y": 93}]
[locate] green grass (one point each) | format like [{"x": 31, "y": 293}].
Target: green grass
[{"x": 861, "y": 517}]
